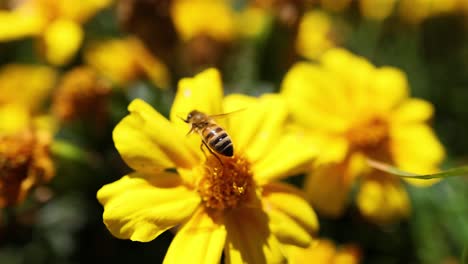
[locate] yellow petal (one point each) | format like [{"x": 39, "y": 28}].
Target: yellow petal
[
  {"x": 288, "y": 156},
  {"x": 316, "y": 98},
  {"x": 249, "y": 239},
  {"x": 80, "y": 12},
  {"x": 328, "y": 188},
  {"x": 291, "y": 217},
  {"x": 140, "y": 208},
  {"x": 309, "y": 45},
  {"x": 291, "y": 201},
  {"x": 35, "y": 83},
  {"x": 287, "y": 231},
  {"x": 260, "y": 122},
  {"x": 415, "y": 148},
  {"x": 152, "y": 66},
  {"x": 203, "y": 92},
  {"x": 13, "y": 118},
  {"x": 388, "y": 88},
  {"x": 200, "y": 240},
  {"x": 190, "y": 19},
  {"x": 16, "y": 25},
  {"x": 149, "y": 143},
  {"x": 413, "y": 110},
  {"x": 62, "y": 39},
  {"x": 383, "y": 201}
]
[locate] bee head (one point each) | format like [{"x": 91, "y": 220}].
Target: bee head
[{"x": 193, "y": 116}]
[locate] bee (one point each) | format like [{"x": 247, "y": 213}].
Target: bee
[{"x": 214, "y": 137}]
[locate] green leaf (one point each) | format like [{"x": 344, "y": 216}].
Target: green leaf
[{"x": 459, "y": 171}]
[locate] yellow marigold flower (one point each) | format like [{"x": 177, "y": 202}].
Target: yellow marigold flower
[
  {"x": 26, "y": 85},
  {"x": 191, "y": 20},
  {"x": 24, "y": 136},
  {"x": 230, "y": 204},
  {"x": 315, "y": 34},
  {"x": 25, "y": 159},
  {"x": 56, "y": 22},
  {"x": 24, "y": 162},
  {"x": 126, "y": 60},
  {"x": 326, "y": 252},
  {"x": 357, "y": 111},
  {"x": 377, "y": 9},
  {"x": 415, "y": 11},
  {"x": 81, "y": 94}
]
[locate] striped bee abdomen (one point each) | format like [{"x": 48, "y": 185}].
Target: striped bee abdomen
[{"x": 218, "y": 140}]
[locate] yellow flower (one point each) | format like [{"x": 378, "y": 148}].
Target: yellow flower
[
  {"x": 25, "y": 134},
  {"x": 377, "y": 9},
  {"x": 356, "y": 111},
  {"x": 230, "y": 204},
  {"x": 57, "y": 23},
  {"x": 126, "y": 60},
  {"x": 325, "y": 252},
  {"x": 191, "y": 19},
  {"x": 81, "y": 94},
  {"x": 314, "y": 35}
]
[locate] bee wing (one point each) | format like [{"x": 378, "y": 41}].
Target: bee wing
[{"x": 223, "y": 115}]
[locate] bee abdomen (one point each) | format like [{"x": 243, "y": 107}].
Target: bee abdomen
[{"x": 220, "y": 142}]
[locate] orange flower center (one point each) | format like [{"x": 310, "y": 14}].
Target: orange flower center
[
  {"x": 225, "y": 185},
  {"x": 370, "y": 137}
]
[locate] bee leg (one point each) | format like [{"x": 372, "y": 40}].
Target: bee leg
[{"x": 214, "y": 154}]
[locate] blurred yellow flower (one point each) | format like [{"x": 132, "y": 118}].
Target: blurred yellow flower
[
  {"x": 57, "y": 23},
  {"x": 377, "y": 9},
  {"x": 24, "y": 139},
  {"x": 233, "y": 206},
  {"x": 126, "y": 60},
  {"x": 315, "y": 34},
  {"x": 415, "y": 11},
  {"x": 356, "y": 111},
  {"x": 324, "y": 251},
  {"x": 191, "y": 19},
  {"x": 81, "y": 94}
]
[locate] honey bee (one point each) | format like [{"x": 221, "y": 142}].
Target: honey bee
[{"x": 214, "y": 137}]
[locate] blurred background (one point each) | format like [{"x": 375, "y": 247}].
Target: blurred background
[{"x": 73, "y": 67}]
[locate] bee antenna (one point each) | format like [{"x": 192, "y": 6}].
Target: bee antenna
[{"x": 186, "y": 121}]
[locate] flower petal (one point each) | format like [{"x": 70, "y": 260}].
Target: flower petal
[
  {"x": 140, "y": 208},
  {"x": 204, "y": 92},
  {"x": 149, "y": 143},
  {"x": 328, "y": 185},
  {"x": 62, "y": 39},
  {"x": 200, "y": 240},
  {"x": 253, "y": 129},
  {"x": 416, "y": 149},
  {"x": 388, "y": 88},
  {"x": 249, "y": 240},
  {"x": 287, "y": 157},
  {"x": 383, "y": 198},
  {"x": 316, "y": 98},
  {"x": 413, "y": 110},
  {"x": 291, "y": 217}
]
